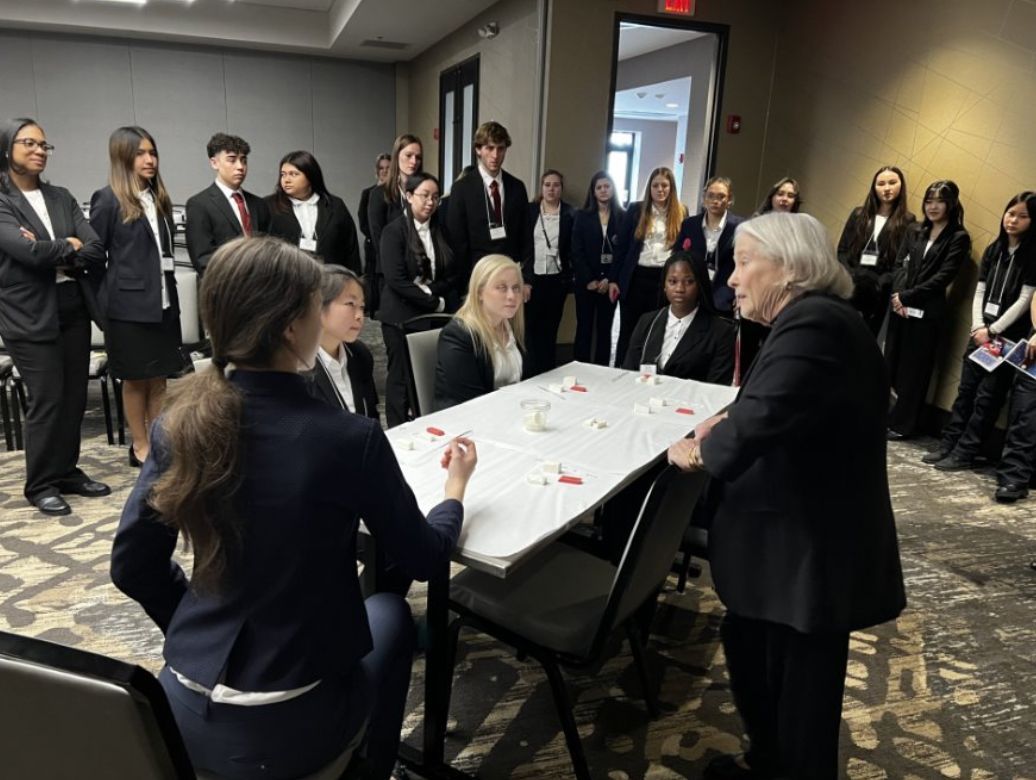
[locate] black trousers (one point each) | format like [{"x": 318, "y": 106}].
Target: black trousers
[
  {"x": 55, "y": 374},
  {"x": 397, "y": 406},
  {"x": 910, "y": 354},
  {"x": 788, "y": 690},
  {"x": 594, "y": 315},
  {"x": 872, "y": 295},
  {"x": 980, "y": 396},
  {"x": 1016, "y": 462},
  {"x": 543, "y": 315},
  {"x": 644, "y": 295}
]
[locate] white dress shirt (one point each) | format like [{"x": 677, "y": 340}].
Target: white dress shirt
[
  {"x": 337, "y": 369},
  {"x": 655, "y": 250},
  {"x": 39, "y": 205},
  {"x": 229, "y": 194},
  {"x": 424, "y": 232},
  {"x": 487, "y": 179},
  {"x": 306, "y": 214},
  {"x": 147, "y": 201},
  {"x": 546, "y": 230},
  {"x": 675, "y": 328},
  {"x": 507, "y": 362},
  {"x": 712, "y": 236}
]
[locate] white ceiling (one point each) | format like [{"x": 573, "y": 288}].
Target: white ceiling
[
  {"x": 651, "y": 100},
  {"x": 637, "y": 39},
  {"x": 335, "y": 28}
]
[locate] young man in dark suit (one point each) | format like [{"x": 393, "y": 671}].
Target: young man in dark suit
[
  {"x": 224, "y": 211},
  {"x": 489, "y": 212}
]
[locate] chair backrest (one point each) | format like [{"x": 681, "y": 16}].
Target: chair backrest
[
  {"x": 652, "y": 546},
  {"x": 422, "y": 341},
  {"x": 187, "y": 292},
  {"x": 68, "y": 713}
]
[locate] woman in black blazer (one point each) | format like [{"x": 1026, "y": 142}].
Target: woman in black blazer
[
  {"x": 50, "y": 259},
  {"x": 870, "y": 243},
  {"x": 482, "y": 349},
  {"x": 381, "y": 169},
  {"x": 702, "y": 349},
  {"x": 421, "y": 277},
  {"x": 927, "y": 265},
  {"x": 549, "y": 271},
  {"x": 594, "y": 237},
  {"x": 710, "y": 234},
  {"x": 343, "y": 376},
  {"x": 268, "y": 486},
  {"x": 304, "y": 213},
  {"x": 785, "y": 195},
  {"x": 802, "y": 544},
  {"x": 133, "y": 218}
]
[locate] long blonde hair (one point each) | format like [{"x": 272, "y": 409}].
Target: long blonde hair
[
  {"x": 674, "y": 210},
  {"x": 473, "y": 314},
  {"x": 122, "y": 153}
]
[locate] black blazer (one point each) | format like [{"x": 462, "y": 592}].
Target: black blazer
[
  {"x": 704, "y": 353},
  {"x": 888, "y": 246},
  {"x": 461, "y": 373},
  {"x": 468, "y": 223},
  {"x": 401, "y": 299},
  {"x": 132, "y": 289},
  {"x": 628, "y": 249},
  {"x": 360, "y": 368},
  {"x": 28, "y": 291},
  {"x": 589, "y": 243},
  {"x": 564, "y": 246},
  {"x": 336, "y": 231},
  {"x": 922, "y": 279},
  {"x": 380, "y": 213},
  {"x": 363, "y": 218},
  {"x": 211, "y": 222},
  {"x": 289, "y": 610},
  {"x": 803, "y": 533},
  {"x": 723, "y": 264}
]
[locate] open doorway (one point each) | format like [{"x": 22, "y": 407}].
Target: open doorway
[{"x": 667, "y": 81}]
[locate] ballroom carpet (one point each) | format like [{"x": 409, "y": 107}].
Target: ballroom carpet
[{"x": 947, "y": 691}]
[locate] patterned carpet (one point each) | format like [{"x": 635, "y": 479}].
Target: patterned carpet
[{"x": 948, "y": 691}]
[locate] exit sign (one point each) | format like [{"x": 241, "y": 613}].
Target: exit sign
[{"x": 677, "y": 7}]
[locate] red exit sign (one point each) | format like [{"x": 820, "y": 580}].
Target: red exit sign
[{"x": 677, "y": 7}]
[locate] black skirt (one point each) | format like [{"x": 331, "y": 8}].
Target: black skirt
[{"x": 144, "y": 350}]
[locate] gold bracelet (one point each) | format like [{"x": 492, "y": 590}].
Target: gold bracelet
[{"x": 694, "y": 458}]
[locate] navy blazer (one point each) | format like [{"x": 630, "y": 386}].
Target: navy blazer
[
  {"x": 211, "y": 222},
  {"x": 628, "y": 249},
  {"x": 564, "y": 246},
  {"x": 803, "y": 533},
  {"x": 289, "y": 610},
  {"x": 132, "y": 289},
  {"x": 461, "y": 371},
  {"x": 401, "y": 298},
  {"x": 360, "y": 368},
  {"x": 336, "y": 232},
  {"x": 723, "y": 262},
  {"x": 589, "y": 243},
  {"x": 705, "y": 352},
  {"x": 28, "y": 290}
]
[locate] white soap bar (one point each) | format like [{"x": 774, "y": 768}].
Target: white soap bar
[
  {"x": 551, "y": 467},
  {"x": 406, "y": 444},
  {"x": 657, "y": 403},
  {"x": 569, "y": 381},
  {"x": 536, "y": 479},
  {"x": 535, "y": 421},
  {"x": 557, "y": 388},
  {"x": 642, "y": 409},
  {"x": 596, "y": 423},
  {"x": 649, "y": 379}
]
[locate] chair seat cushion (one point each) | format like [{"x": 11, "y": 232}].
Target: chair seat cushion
[{"x": 555, "y": 600}]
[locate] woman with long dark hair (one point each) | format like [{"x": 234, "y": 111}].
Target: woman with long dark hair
[
  {"x": 927, "y": 264},
  {"x": 274, "y": 661},
  {"x": 133, "y": 218},
  {"x": 784, "y": 195},
  {"x": 870, "y": 242},
  {"x": 50, "y": 260},
  {"x": 595, "y": 236},
  {"x": 305, "y": 214}
]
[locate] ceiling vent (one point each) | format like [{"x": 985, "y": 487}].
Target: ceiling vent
[{"x": 378, "y": 44}]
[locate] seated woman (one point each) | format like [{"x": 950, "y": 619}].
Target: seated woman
[
  {"x": 687, "y": 338},
  {"x": 274, "y": 662},
  {"x": 344, "y": 374},
  {"x": 482, "y": 349}
]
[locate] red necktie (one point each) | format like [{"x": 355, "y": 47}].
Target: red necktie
[
  {"x": 494, "y": 193},
  {"x": 246, "y": 220}
]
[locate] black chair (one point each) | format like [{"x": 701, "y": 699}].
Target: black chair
[
  {"x": 695, "y": 545},
  {"x": 420, "y": 343},
  {"x": 12, "y": 426},
  {"x": 562, "y": 606}
]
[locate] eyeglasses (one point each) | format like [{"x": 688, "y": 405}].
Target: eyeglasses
[
  {"x": 715, "y": 196},
  {"x": 424, "y": 197},
  {"x": 31, "y": 145}
]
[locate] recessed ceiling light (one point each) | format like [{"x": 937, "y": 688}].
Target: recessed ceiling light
[{"x": 672, "y": 105}]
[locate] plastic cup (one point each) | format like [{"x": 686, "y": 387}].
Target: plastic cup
[{"x": 534, "y": 415}]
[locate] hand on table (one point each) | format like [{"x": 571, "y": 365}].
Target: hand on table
[{"x": 459, "y": 460}]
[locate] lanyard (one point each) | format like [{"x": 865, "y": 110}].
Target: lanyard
[
  {"x": 654, "y": 322},
  {"x": 543, "y": 228},
  {"x": 1003, "y": 278}
]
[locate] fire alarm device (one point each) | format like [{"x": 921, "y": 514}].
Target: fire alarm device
[{"x": 733, "y": 124}]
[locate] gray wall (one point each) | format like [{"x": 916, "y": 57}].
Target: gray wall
[
  {"x": 657, "y": 147},
  {"x": 80, "y": 89}
]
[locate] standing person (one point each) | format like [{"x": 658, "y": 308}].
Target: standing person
[
  {"x": 48, "y": 254},
  {"x": 710, "y": 234},
  {"x": 1014, "y": 472},
  {"x": 381, "y": 171},
  {"x": 421, "y": 277},
  {"x": 550, "y": 272},
  {"x": 274, "y": 661},
  {"x": 784, "y": 196},
  {"x": 594, "y": 237},
  {"x": 223, "y": 210},
  {"x": 304, "y": 213},
  {"x": 796, "y": 582},
  {"x": 489, "y": 208},
  {"x": 928, "y": 262},
  {"x": 646, "y": 239},
  {"x": 133, "y": 218},
  {"x": 870, "y": 242},
  {"x": 1006, "y": 283}
]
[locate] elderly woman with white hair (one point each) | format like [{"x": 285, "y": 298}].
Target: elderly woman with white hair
[{"x": 803, "y": 541}]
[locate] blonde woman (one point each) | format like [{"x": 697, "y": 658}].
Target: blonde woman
[{"x": 482, "y": 348}]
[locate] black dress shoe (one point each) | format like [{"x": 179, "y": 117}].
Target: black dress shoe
[
  {"x": 935, "y": 456},
  {"x": 955, "y": 463},
  {"x": 1011, "y": 492},
  {"x": 892, "y": 435},
  {"x": 134, "y": 461},
  {"x": 52, "y": 505},
  {"x": 88, "y": 487},
  {"x": 734, "y": 767}
]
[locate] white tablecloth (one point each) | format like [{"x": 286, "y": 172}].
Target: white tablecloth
[{"x": 506, "y": 516}]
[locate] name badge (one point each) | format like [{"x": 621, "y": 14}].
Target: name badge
[
  {"x": 168, "y": 264},
  {"x": 869, "y": 258},
  {"x": 915, "y": 313},
  {"x": 497, "y": 233},
  {"x": 648, "y": 369},
  {"x": 712, "y": 273},
  {"x": 993, "y": 309},
  {"x": 606, "y": 259},
  {"x": 308, "y": 244}
]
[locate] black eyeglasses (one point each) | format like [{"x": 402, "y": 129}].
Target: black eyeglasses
[{"x": 31, "y": 145}]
